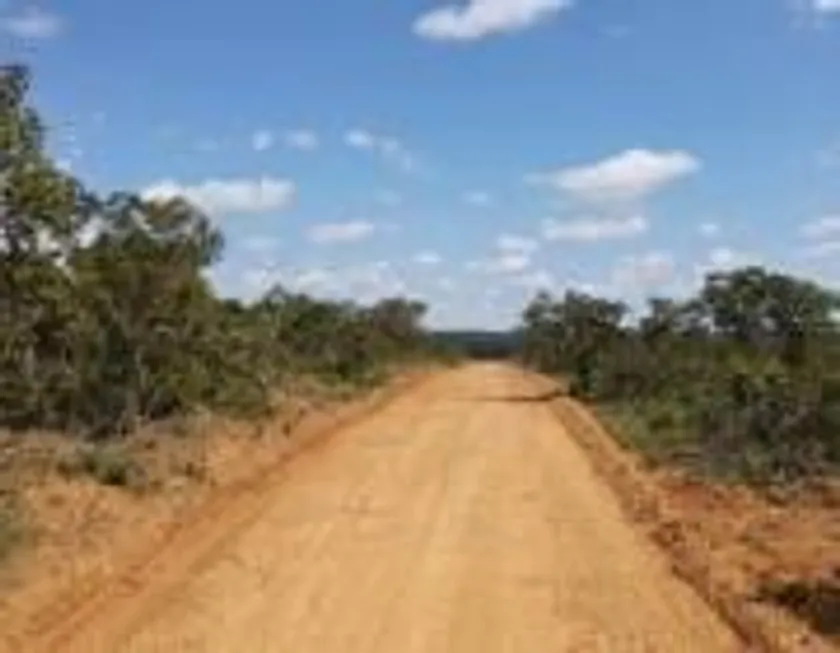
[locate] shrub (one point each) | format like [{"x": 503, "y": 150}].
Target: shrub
[
  {"x": 739, "y": 381},
  {"x": 108, "y": 464}
]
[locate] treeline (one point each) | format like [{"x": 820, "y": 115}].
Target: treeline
[
  {"x": 107, "y": 320},
  {"x": 480, "y": 345},
  {"x": 742, "y": 380}
]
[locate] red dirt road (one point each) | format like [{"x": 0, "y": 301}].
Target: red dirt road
[{"x": 462, "y": 517}]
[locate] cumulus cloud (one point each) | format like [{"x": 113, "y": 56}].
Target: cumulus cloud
[
  {"x": 643, "y": 272},
  {"x": 369, "y": 282},
  {"x": 33, "y": 23},
  {"x": 513, "y": 243},
  {"x": 313, "y": 279},
  {"x": 477, "y": 198},
  {"x": 262, "y": 140},
  {"x": 446, "y": 284},
  {"x": 824, "y": 234},
  {"x": 503, "y": 263},
  {"x": 390, "y": 149},
  {"x": 826, "y": 6},
  {"x": 709, "y": 229},
  {"x": 628, "y": 176},
  {"x": 218, "y": 196},
  {"x": 352, "y": 231},
  {"x": 260, "y": 244},
  {"x": 823, "y": 249},
  {"x": 594, "y": 229},
  {"x": 536, "y": 280},
  {"x": 360, "y": 139},
  {"x": 364, "y": 282},
  {"x": 428, "y": 258},
  {"x": 302, "y": 139},
  {"x": 826, "y": 226},
  {"x": 477, "y": 19},
  {"x": 511, "y": 262},
  {"x": 722, "y": 259}
]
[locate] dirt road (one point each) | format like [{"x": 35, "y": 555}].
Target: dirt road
[{"x": 460, "y": 518}]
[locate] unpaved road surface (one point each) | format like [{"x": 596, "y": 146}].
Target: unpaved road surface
[{"x": 462, "y": 518}]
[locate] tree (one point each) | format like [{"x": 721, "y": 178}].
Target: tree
[
  {"x": 771, "y": 312},
  {"x": 745, "y": 370},
  {"x": 107, "y": 319},
  {"x": 41, "y": 212}
]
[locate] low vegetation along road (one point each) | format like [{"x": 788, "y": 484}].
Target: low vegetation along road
[{"x": 462, "y": 517}]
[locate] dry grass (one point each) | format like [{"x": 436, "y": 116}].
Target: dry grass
[{"x": 92, "y": 510}]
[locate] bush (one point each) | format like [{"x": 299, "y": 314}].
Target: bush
[
  {"x": 107, "y": 320},
  {"x": 738, "y": 382},
  {"x": 108, "y": 464}
]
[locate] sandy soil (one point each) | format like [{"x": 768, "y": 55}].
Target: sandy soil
[{"x": 462, "y": 517}]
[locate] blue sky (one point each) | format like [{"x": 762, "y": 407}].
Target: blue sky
[{"x": 466, "y": 152}]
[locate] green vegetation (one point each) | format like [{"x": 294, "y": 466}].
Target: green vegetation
[
  {"x": 107, "y": 320},
  {"x": 107, "y": 463},
  {"x": 740, "y": 381},
  {"x": 479, "y": 345}
]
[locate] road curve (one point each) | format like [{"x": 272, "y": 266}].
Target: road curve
[{"x": 460, "y": 518}]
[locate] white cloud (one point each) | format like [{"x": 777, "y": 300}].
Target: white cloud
[
  {"x": 262, "y": 140},
  {"x": 536, "y": 280},
  {"x": 646, "y": 271},
  {"x": 428, "y": 258},
  {"x": 725, "y": 258},
  {"x": 513, "y": 243},
  {"x": 446, "y": 284},
  {"x": 509, "y": 262},
  {"x": 365, "y": 282},
  {"x": 709, "y": 229},
  {"x": 352, "y": 231},
  {"x": 313, "y": 279},
  {"x": 257, "y": 279},
  {"x": 506, "y": 262},
  {"x": 260, "y": 244},
  {"x": 513, "y": 262},
  {"x": 722, "y": 257},
  {"x": 827, "y": 225},
  {"x": 229, "y": 195},
  {"x": 478, "y": 19},
  {"x": 823, "y": 249},
  {"x": 594, "y": 229},
  {"x": 302, "y": 139},
  {"x": 390, "y": 149},
  {"x": 477, "y": 198},
  {"x": 627, "y": 176},
  {"x": 826, "y": 6},
  {"x": 360, "y": 139},
  {"x": 369, "y": 282},
  {"x": 33, "y": 23}
]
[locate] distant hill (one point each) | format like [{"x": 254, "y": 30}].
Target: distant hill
[{"x": 480, "y": 344}]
